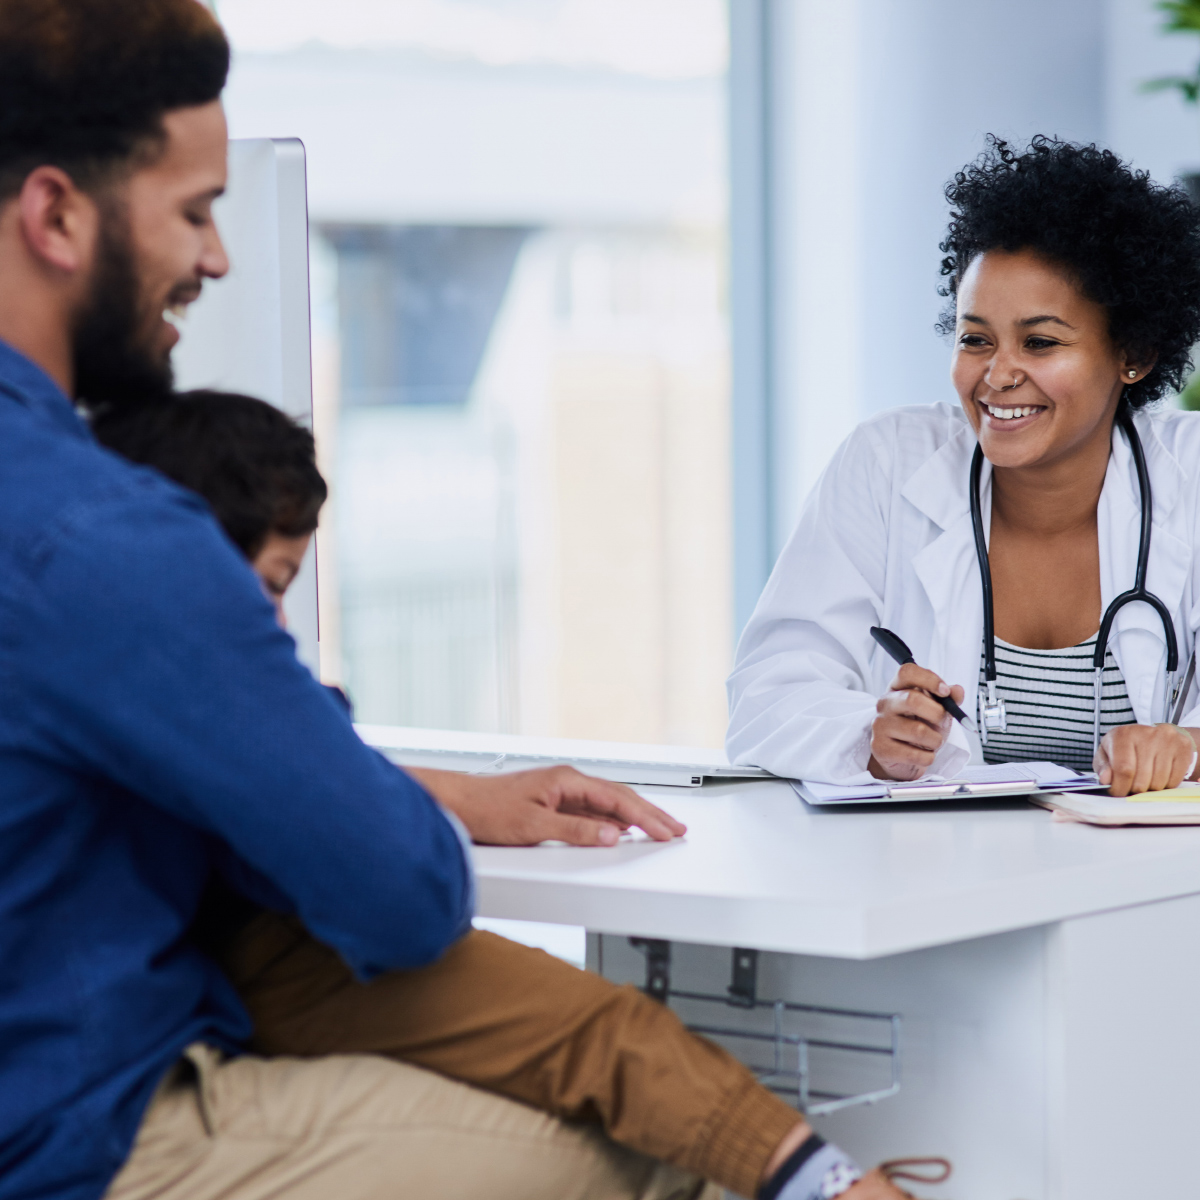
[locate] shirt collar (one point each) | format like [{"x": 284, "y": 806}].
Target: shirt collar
[{"x": 27, "y": 384}]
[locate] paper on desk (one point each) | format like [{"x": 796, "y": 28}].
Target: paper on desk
[{"x": 1046, "y": 775}]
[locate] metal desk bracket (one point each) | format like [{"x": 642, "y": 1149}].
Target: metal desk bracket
[
  {"x": 743, "y": 991},
  {"x": 658, "y": 967},
  {"x": 871, "y": 1035}
]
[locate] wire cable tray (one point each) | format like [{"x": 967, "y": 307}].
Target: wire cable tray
[{"x": 789, "y": 1070}]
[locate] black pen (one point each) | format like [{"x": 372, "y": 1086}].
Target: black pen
[{"x": 902, "y": 654}]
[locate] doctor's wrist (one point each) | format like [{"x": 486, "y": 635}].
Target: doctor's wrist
[
  {"x": 1192, "y": 744},
  {"x": 1194, "y": 734}
]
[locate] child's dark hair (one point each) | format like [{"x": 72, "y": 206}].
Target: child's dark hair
[{"x": 253, "y": 464}]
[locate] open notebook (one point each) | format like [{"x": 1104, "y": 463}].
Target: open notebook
[
  {"x": 1001, "y": 780},
  {"x": 1175, "y": 806}
]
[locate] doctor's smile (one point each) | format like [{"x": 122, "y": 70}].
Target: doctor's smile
[{"x": 1012, "y": 414}]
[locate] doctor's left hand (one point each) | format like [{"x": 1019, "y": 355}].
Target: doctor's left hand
[
  {"x": 1144, "y": 758},
  {"x": 911, "y": 726}
]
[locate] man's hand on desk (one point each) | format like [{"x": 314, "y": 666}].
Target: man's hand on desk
[{"x": 551, "y": 804}]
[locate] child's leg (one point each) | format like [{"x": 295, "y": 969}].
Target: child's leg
[{"x": 516, "y": 1021}]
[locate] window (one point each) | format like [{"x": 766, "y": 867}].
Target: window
[{"x": 521, "y": 352}]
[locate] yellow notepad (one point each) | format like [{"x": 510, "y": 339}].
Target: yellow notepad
[{"x": 1179, "y": 795}]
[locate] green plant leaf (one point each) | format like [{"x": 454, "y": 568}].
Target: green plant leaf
[
  {"x": 1189, "y": 398},
  {"x": 1183, "y": 16},
  {"x": 1187, "y": 85}
]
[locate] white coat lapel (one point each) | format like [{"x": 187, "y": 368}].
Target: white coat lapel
[{"x": 947, "y": 567}]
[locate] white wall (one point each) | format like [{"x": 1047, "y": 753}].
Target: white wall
[
  {"x": 464, "y": 142},
  {"x": 1158, "y": 131},
  {"x": 876, "y": 104}
]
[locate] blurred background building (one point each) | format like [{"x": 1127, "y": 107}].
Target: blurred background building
[
  {"x": 538, "y": 228},
  {"x": 520, "y": 319}
]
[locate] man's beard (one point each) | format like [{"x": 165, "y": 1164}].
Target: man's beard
[{"x": 113, "y": 365}]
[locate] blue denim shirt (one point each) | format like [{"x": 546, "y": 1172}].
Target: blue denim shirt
[{"x": 155, "y": 726}]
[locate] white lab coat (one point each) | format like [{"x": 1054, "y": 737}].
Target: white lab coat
[{"x": 885, "y": 539}]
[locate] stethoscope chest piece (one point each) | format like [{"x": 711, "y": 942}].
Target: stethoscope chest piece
[{"x": 993, "y": 716}]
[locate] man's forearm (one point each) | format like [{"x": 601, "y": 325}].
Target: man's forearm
[{"x": 448, "y": 788}]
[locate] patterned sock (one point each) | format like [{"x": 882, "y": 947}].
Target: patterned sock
[{"x": 815, "y": 1171}]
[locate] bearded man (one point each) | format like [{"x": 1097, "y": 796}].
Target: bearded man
[{"x": 157, "y": 732}]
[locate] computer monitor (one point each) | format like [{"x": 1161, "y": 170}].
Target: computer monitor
[{"x": 249, "y": 332}]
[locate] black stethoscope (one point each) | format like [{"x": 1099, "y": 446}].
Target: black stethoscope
[{"x": 991, "y": 707}]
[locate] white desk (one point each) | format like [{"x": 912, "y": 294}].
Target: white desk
[{"x": 1048, "y": 975}]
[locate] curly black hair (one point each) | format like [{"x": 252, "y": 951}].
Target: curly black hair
[
  {"x": 1131, "y": 244},
  {"x": 253, "y": 464},
  {"x": 84, "y": 84}
]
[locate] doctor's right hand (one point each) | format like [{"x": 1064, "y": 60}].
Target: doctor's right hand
[{"x": 911, "y": 726}]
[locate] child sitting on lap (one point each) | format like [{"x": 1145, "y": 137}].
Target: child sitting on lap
[{"x": 489, "y": 1012}]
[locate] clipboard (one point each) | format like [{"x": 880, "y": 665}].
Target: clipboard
[{"x": 998, "y": 782}]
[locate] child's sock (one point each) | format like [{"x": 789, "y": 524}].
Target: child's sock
[{"x": 816, "y": 1171}]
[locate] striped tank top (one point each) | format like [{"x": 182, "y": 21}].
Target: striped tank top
[{"x": 1048, "y": 697}]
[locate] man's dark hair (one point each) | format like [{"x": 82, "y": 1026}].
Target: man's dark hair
[
  {"x": 84, "y": 84},
  {"x": 254, "y": 465},
  {"x": 1130, "y": 244}
]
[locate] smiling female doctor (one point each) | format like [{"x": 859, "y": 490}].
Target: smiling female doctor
[{"x": 1076, "y": 292}]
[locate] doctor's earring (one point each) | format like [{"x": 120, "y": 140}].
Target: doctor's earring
[{"x": 1132, "y": 374}]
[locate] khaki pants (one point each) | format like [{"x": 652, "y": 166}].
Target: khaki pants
[
  {"x": 490, "y": 1013},
  {"x": 358, "y": 1127}
]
